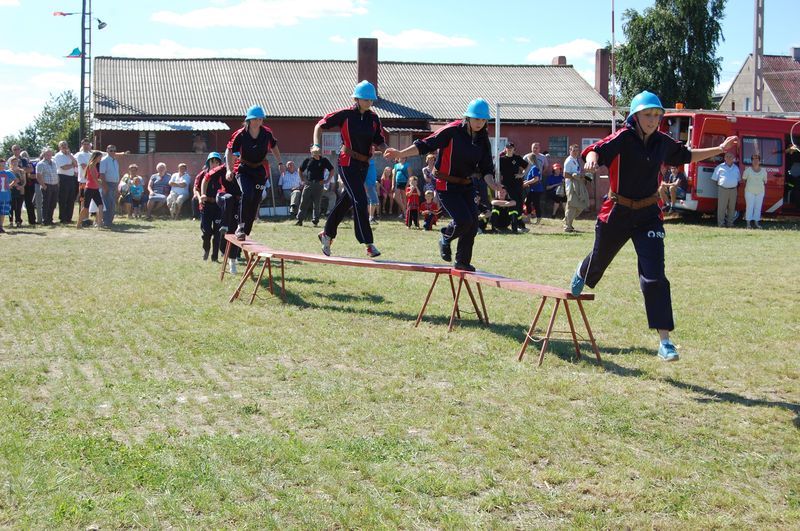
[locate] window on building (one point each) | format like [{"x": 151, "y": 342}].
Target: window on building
[
  {"x": 558, "y": 146},
  {"x": 586, "y": 142},
  {"x": 147, "y": 141},
  {"x": 331, "y": 142},
  {"x": 747, "y": 104},
  {"x": 770, "y": 149},
  {"x": 733, "y": 105}
]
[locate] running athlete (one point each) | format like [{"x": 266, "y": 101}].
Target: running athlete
[
  {"x": 360, "y": 128},
  {"x": 464, "y": 149},
  {"x": 251, "y": 170},
  {"x": 630, "y": 211},
  {"x": 211, "y": 182}
]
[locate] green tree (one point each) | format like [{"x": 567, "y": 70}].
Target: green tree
[
  {"x": 670, "y": 49},
  {"x": 58, "y": 120}
]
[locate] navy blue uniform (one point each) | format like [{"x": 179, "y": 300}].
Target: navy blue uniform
[
  {"x": 251, "y": 170},
  {"x": 211, "y": 214},
  {"x": 359, "y": 132},
  {"x": 460, "y": 155},
  {"x": 633, "y": 174}
]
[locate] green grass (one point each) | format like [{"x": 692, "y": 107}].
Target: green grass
[{"x": 133, "y": 394}]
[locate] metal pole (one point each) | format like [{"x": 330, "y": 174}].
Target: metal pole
[
  {"x": 758, "y": 56},
  {"x": 496, "y": 140},
  {"x": 613, "y": 75},
  {"x": 82, "y": 126}
]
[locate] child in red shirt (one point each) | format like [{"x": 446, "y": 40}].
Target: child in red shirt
[
  {"x": 429, "y": 210},
  {"x": 412, "y": 202}
]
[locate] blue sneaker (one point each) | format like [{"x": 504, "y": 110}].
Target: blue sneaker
[
  {"x": 576, "y": 286},
  {"x": 667, "y": 351}
]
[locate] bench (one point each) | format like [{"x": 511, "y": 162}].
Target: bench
[
  {"x": 560, "y": 296},
  {"x": 256, "y": 253}
]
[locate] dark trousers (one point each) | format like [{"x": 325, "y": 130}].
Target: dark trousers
[
  {"x": 49, "y": 202},
  {"x": 30, "y": 206},
  {"x": 355, "y": 196},
  {"x": 67, "y": 193},
  {"x": 534, "y": 202},
  {"x": 229, "y": 206},
  {"x": 210, "y": 222},
  {"x": 459, "y": 203},
  {"x": 195, "y": 208},
  {"x": 17, "y": 198},
  {"x": 412, "y": 216},
  {"x": 646, "y": 230},
  {"x": 514, "y": 189},
  {"x": 427, "y": 222},
  {"x": 311, "y": 199},
  {"x": 251, "y": 187}
]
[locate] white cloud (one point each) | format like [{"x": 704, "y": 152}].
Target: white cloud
[
  {"x": 31, "y": 59},
  {"x": 337, "y": 39},
  {"x": 588, "y": 75},
  {"x": 171, "y": 49},
  {"x": 416, "y": 39},
  {"x": 522, "y": 39},
  {"x": 262, "y": 13},
  {"x": 56, "y": 82},
  {"x": 574, "y": 51},
  {"x": 724, "y": 84},
  {"x": 9, "y": 3}
]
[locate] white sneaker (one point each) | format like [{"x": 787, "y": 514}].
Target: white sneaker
[{"x": 232, "y": 266}]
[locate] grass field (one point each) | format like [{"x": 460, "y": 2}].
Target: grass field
[{"x": 132, "y": 394}]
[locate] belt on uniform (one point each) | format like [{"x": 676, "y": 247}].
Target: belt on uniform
[
  {"x": 633, "y": 204},
  {"x": 451, "y": 178},
  {"x": 251, "y": 164},
  {"x": 355, "y": 154}
]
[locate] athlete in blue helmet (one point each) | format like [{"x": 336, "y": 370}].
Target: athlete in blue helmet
[
  {"x": 251, "y": 169},
  {"x": 464, "y": 150},
  {"x": 361, "y": 129},
  {"x": 630, "y": 211}
]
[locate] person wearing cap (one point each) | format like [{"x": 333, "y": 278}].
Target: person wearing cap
[
  {"x": 361, "y": 130},
  {"x": 311, "y": 199},
  {"x": 630, "y": 211},
  {"x": 252, "y": 142},
  {"x": 511, "y": 168},
  {"x": 463, "y": 149},
  {"x": 211, "y": 181}
]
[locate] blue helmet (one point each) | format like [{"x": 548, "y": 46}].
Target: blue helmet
[
  {"x": 365, "y": 91},
  {"x": 478, "y": 108},
  {"x": 256, "y": 111},
  {"x": 644, "y": 100},
  {"x": 213, "y": 155}
]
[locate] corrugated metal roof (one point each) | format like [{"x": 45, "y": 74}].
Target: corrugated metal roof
[
  {"x": 164, "y": 125},
  {"x": 216, "y": 88},
  {"x": 405, "y": 130}
]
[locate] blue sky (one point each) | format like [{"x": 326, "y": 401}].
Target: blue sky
[{"x": 32, "y": 63}]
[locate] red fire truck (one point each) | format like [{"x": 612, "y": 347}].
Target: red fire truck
[{"x": 774, "y": 138}]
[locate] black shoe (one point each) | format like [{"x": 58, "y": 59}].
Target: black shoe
[
  {"x": 315, "y": 222},
  {"x": 464, "y": 267},
  {"x": 444, "y": 249},
  {"x": 299, "y": 222},
  {"x": 205, "y": 255}
]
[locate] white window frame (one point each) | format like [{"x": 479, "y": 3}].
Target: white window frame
[{"x": 331, "y": 142}]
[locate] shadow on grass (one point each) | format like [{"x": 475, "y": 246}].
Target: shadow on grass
[
  {"x": 129, "y": 227},
  {"x": 708, "y": 394},
  {"x": 26, "y": 232}
]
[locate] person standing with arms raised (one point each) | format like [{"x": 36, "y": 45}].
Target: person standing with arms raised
[
  {"x": 252, "y": 143},
  {"x": 464, "y": 149},
  {"x": 630, "y": 211},
  {"x": 360, "y": 128}
]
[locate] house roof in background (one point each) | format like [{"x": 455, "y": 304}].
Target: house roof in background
[
  {"x": 225, "y": 88},
  {"x": 158, "y": 125},
  {"x": 782, "y": 75}
]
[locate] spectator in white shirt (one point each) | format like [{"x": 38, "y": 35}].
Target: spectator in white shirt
[
  {"x": 67, "y": 169},
  {"x": 292, "y": 186},
  {"x": 82, "y": 157},
  {"x": 727, "y": 177},
  {"x": 179, "y": 190}
]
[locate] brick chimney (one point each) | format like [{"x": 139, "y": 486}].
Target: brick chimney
[
  {"x": 559, "y": 60},
  {"x": 368, "y": 60},
  {"x": 601, "y": 71}
]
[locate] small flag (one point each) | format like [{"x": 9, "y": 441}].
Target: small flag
[
  {"x": 75, "y": 54},
  {"x": 62, "y": 14}
]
